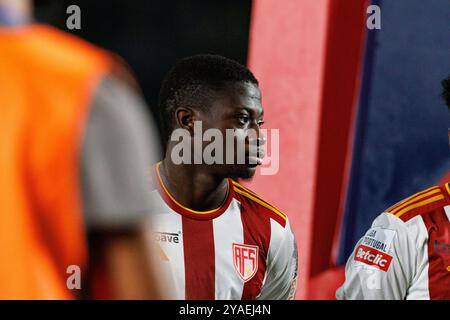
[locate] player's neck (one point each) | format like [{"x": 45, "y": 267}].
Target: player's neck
[{"x": 193, "y": 186}]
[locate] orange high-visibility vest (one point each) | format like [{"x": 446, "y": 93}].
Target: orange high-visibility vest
[{"x": 47, "y": 81}]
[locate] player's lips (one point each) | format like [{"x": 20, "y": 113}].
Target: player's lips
[
  {"x": 258, "y": 159},
  {"x": 261, "y": 154}
]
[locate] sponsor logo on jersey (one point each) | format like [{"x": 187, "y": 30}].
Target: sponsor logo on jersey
[
  {"x": 373, "y": 257},
  {"x": 441, "y": 247},
  {"x": 167, "y": 237},
  {"x": 245, "y": 258}
]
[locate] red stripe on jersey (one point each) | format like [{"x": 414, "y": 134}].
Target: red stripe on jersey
[
  {"x": 256, "y": 226},
  {"x": 265, "y": 208},
  {"x": 274, "y": 216},
  {"x": 239, "y": 187},
  {"x": 408, "y": 215},
  {"x": 438, "y": 227},
  {"x": 199, "y": 259},
  {"x": 411, "y": 213}
]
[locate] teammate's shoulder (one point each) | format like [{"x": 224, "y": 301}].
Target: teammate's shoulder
[
  {"x": 263, "y": 206},
  {"x": 62, "y": 48},
  {"x": 421, "y": 202}
]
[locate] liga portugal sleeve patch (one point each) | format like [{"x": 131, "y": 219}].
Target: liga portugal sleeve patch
[{"x": 374, "y": 249}]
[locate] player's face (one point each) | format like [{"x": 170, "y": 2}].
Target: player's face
[{"x": 238, "y": 107}]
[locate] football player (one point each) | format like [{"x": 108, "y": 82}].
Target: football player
[
  {"x": 219, "y": 239},
  {"x": 406, "y": 253}
]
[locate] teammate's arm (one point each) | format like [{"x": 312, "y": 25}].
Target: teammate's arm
[
  {"x": 118, "y": 149},
  {"x": 383, "y": 263}
]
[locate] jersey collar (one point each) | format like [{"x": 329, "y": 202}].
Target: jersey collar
[{"x": 187, "y": 212}]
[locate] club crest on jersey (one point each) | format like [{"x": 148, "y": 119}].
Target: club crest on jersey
[{"x": 245, "y": 259}]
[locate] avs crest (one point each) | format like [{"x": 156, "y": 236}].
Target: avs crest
[{"x": 245, "y": 258}]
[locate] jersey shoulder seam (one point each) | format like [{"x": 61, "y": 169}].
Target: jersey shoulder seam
[{"x": 278, "y": 216}]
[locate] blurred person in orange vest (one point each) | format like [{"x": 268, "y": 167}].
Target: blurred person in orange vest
[{"x": 75, "y": 145}]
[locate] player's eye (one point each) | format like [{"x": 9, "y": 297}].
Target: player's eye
[
  {"x": 242, "y": 119},
  {"x": 260, "y": 123}
]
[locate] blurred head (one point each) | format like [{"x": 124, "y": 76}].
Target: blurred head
[
  {"x": 16, "y": 10},
  {"x": 446, "y": 97},
  {"x": 220, "y": 94}
]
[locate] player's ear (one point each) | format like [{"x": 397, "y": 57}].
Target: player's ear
[{"x": 185, "y": 118}]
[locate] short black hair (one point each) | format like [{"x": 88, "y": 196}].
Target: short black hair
[
  {"x": 193, "y": 81},
  {"x": 446, "y": 91}
]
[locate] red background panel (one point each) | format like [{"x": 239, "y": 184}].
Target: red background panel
[{"x": 307, "y": 55}]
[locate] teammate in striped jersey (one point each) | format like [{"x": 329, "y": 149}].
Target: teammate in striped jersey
[
  {"x": 219, "y": 239},
  {"x": 406, "y": 253}
]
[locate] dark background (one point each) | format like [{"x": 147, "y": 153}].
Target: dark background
[
  {"x": 401, "y": 144},
  {"x": 152, "y": 35}
]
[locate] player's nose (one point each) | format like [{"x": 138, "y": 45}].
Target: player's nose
[{"x": 257, "y": 136}]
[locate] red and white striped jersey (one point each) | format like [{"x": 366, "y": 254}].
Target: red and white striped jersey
[
  {"x": 406, "y": 253},
  {"x": 245, "y": 249}
]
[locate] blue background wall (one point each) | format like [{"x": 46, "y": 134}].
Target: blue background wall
[{"x": 401, "y": 143}]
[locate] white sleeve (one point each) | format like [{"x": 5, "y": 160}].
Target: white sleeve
[
  {"x": 119, "y": 145},
  {"x": 384, "y": 262},
  {"x": 280, "y": 282}
]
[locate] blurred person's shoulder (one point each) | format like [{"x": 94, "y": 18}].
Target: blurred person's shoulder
[{"x": 63, "y": 50}]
